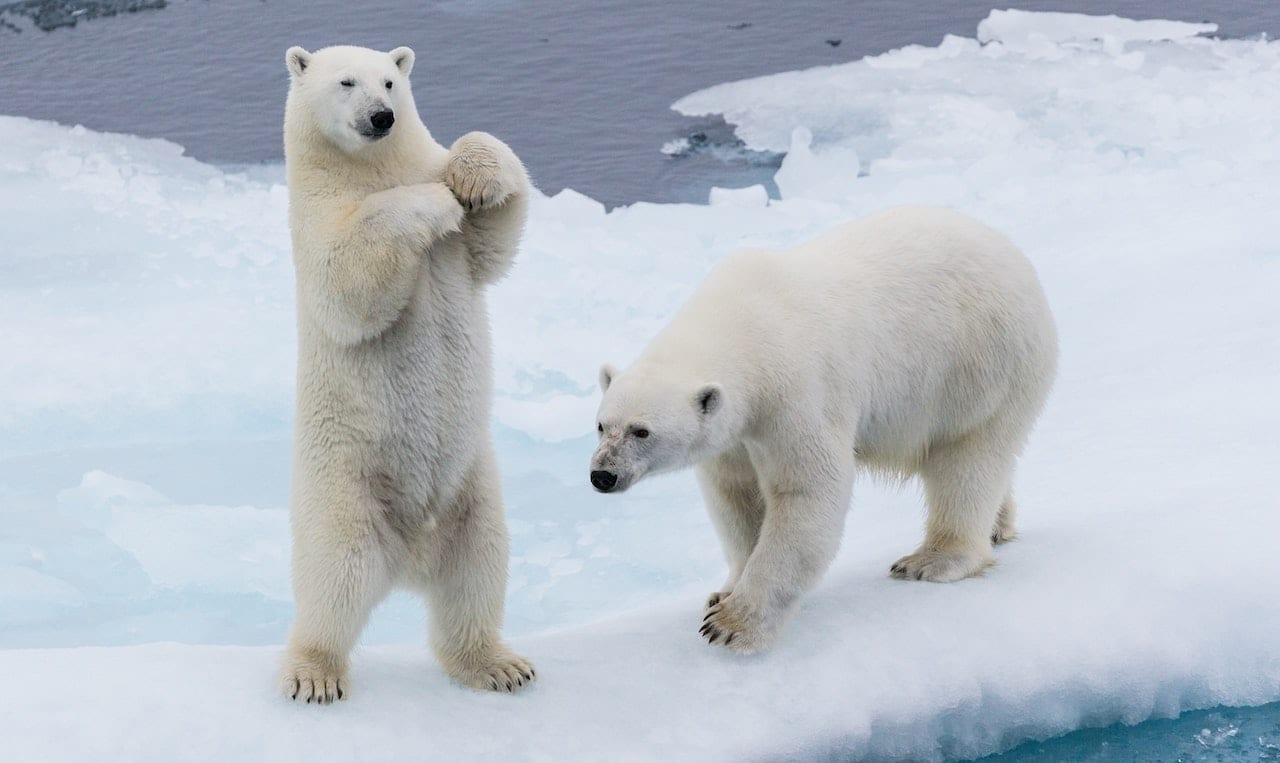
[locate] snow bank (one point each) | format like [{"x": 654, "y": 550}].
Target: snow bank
[
  {"x": 1079, "y": 624},
  {"x": 144, "y": 433}
]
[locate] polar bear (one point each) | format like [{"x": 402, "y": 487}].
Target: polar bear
[
  {"x": 394, "y": 479},
  {"x": 915, "y": 341}
]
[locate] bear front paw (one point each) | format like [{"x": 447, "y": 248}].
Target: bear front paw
[
  {"x": 482, "y": 172},
  {"x": 501, "y": 671},
  {"x": 313, "y": 677},
  {"x": 733, "y": 622}
]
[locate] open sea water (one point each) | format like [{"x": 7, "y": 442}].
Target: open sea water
[{"x": 579, "y": 88}]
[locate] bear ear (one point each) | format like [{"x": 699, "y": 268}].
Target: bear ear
[
  {"x": 403, "y": 59},
  {"x": 709, "y": 399},
  {"x": 297, "y": 59},
  {"x": 607, "y": 372}
]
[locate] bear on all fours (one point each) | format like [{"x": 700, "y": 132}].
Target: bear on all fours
[{"x": 913, "y": 342}]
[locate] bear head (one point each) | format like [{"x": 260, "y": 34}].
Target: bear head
[
  {"x": 349, "y": 96},
  {"x": 649, "y": 424}
]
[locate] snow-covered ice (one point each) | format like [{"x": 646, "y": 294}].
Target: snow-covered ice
[{"x": 147, "y": 402}]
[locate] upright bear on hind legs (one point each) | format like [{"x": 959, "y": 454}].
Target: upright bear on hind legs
[
  {"x": 394, "y": 479},
  {"x": 913, "y": 342}
]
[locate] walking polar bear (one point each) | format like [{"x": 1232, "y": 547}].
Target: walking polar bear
[
  {"x": 912, "y": 342},
  {"x": 394, "y": 480}
]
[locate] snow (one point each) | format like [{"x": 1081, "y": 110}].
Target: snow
[
  {"x": 147, "y": 405},
  {"x": 1021, "y": 28}
]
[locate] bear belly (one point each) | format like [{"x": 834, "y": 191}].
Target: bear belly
[{"x": 436, "y": 395}]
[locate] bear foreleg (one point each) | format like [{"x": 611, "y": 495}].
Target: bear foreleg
[{"x": 807, "y": 498}]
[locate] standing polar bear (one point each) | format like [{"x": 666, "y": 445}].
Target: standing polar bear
[
  {"x": 394, "y": 480},
  {"x": 913, "y": 342}
]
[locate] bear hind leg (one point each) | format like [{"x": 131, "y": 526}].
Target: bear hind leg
[
  {"x": 1005, "y": 531},
  {"x": 966, "y": 486},
  {"x": 463, "y": 571},
  {"x": 337, "y": 580}
]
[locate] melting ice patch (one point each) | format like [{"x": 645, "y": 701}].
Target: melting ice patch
[{"x": 147, "y": 405}]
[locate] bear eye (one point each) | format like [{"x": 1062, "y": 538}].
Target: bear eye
[
  {"x": 641, "y": 433},
  {"x": 388, "y": 84},
  {"x": 348, "y": 83},
  {"x": 600, "y": 428}
]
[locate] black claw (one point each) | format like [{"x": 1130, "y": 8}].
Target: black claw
[
  {"x": 726, "y": 641},
  {"x": 341, "y": 695},
  {"x": 508, "y": 686},
  {"x": 707, "y": 616}
]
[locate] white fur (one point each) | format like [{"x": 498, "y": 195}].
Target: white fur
[
  {"x": 394, "y": 478},
  {"x": 913, "y": 342}
]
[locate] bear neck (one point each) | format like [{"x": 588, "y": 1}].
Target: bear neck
[{"x": 695, "y": 357}]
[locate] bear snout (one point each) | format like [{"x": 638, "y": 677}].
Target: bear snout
[
  {"x": 382, "y": 120},
  {"x": 603, "y": 481}
]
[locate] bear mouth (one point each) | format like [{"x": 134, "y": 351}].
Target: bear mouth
[{"x": 375, "y": 134}]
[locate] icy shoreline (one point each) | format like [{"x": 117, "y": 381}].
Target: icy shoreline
[{"x": 909, "y": 672}]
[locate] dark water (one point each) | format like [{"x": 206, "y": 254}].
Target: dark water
[{"x": 580, "y": 88}]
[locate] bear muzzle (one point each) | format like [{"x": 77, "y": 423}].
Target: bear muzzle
[
  {"x": 603, "y": 481},
  {"x": 380, "y": 124}
]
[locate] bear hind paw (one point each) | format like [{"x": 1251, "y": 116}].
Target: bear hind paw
[
  {"x": 501, "y": 672},
  {"x": 939, "y": 566},
  {"x": 308, "y": 680}
]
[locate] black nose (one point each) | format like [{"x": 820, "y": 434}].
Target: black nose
[
  {"x": 382, "y": 120},
  {"x": 603, "y": 481}
]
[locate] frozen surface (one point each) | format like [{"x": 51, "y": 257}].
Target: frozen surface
[{"x": 147, "y": 404}]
